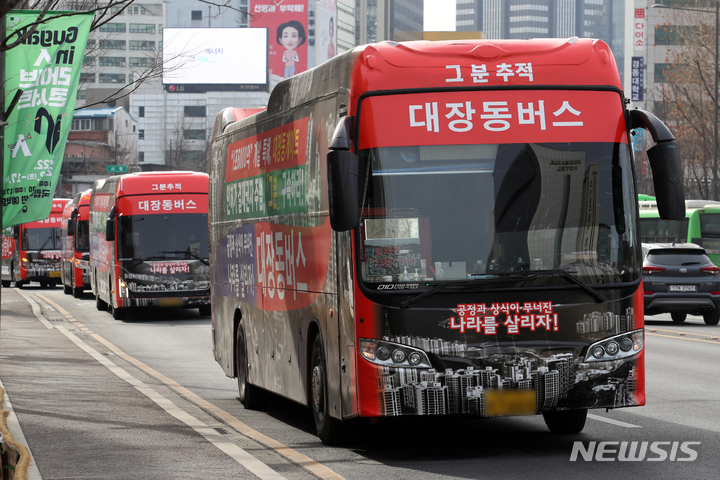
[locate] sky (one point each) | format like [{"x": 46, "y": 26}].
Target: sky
[{"x": 439, "y": 15}]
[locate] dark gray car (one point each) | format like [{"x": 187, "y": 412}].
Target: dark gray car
[{"x": 680, "y": 279}]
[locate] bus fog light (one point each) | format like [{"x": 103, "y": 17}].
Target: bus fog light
[
  {"x": 626, "y": 345},
  {"x": 383, "y": 353},
  {"x": 598, "y": 352},
  {"x": 612, "y": 348},
  {"x": 414, "y": 358},
  {"x": 368, "y": 349},
  {"x": 398, "y": 356}
]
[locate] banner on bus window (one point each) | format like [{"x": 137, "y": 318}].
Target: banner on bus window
[
  {"x": 492, "y": 117},
  {"x": 274, "y": 267},
  {"x": 287, "y": 24},
  {"x": 265, "y": 173},
  {"x": 46, "y": 67}
]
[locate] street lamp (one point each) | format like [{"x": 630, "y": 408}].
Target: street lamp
[{"x": 715, "y": 100}]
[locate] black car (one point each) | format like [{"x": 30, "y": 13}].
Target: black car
[{"x": 680, "y": 279}]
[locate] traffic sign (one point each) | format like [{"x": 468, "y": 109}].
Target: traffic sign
[{"x": 117, "y": 168}]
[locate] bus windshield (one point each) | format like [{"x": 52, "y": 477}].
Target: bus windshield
[
  {"x": 464, "y": 212},
  {"x": 46, "y": 238},
  {"x": 82, "y": 236},
  {"x": 170, "y": 236}
]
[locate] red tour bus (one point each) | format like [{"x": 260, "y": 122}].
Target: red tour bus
[
  {"x": 435, "y": 228},
  {"x": 32, "y": 251},
  {"x": 149, "y": 241},
  {"x": 75, "y": 273}
]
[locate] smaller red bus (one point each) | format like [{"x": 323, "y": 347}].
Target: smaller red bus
[
  {"x": 75, "y": 272},
  {"x": 32, "y": 251},
  {"x": 149, "y": 242}
]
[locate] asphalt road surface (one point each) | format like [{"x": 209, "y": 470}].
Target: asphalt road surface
[{"x": 144, "y": 399}]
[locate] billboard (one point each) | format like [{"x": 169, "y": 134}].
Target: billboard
[
  {"x": 214, "y": 59},
  {"x": 325, "y": 30},
  {"x": 287, "y": 25}
]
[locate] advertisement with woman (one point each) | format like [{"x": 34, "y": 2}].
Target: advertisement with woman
[
  {"x": 287, "y": 24},
  {"x": 326, "y": 30}
]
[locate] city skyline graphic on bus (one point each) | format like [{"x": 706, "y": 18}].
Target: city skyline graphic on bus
[{"x": 411, "y": 391}]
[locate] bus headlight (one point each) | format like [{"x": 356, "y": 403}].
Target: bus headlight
[
  {"x": 84, "y": 264},
  {"x": 122, "y": 288},
  {"x": 616, "y": 347},
  {"x": 390, "y": 354}
]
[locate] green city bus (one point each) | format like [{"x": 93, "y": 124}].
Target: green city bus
[{"x": 701, "y": 225}]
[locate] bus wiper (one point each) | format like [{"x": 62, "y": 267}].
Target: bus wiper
[
  {"x": 436, "y": 289},
  {"x": 192, "y": 254},
  {"x": 43, "y": 246},
  {"x": 599, "y": 298}
]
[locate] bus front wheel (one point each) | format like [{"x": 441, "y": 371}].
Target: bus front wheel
[
  {"x": 565, "y": 421},
  {"x": 250, "y": 395},
  {"x": 328, "y": 429}
]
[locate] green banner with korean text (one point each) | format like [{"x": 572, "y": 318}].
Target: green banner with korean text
[{"x": 46, "y": 67}]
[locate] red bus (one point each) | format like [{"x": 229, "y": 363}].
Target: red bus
[
  {"x": 32, "y": 251},
  {"x": 75, "y": 272},
  {"x": 436, "y": 228},
  {"x": 149, "y": 242}
]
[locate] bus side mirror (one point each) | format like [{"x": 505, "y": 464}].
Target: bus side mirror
[
  {"x": 110, "y": 226},
  {"x": 342, "y": 167},
  {"x": 665, "y": 164},
  {"x": 343, "y": 189},
  {"x": 71, "y": 222}
]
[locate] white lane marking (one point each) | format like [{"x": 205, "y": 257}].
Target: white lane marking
[
  {"x": 16, "y": 430},
  {"x": 254, "y": 465},
  {"x": 613, "y": 422},
  {"x": 35, "y": 309},
  {"x": 236, "y": 453},
  {"x": 318, "y": 469}
]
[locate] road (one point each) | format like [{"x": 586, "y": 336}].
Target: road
[{"x": 144, "y": 398}]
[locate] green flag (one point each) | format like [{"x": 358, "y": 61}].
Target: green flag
[{"x": 46, "y": 67}]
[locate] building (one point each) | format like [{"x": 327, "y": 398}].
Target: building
[
  {"x": 99, "y": 140},
  {"x": 123, "y": 67},
  {"x": 525, "y": 19},
  {"x": 395, "y": 20}
]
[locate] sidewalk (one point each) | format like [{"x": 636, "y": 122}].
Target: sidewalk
[{"x": 82, "y": 421}]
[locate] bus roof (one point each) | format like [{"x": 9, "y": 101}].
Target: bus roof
[
  {"x": 388, "y": 66},
  {"x": 144, "y": 183},
  {"x": 547, "y": 61},
  {"x": 58, "y": 204}
]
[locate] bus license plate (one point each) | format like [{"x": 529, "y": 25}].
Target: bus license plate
[
  {"x": 510, "y": 402},
  {"x": 54, "y": 274},
  {"x": 683, "y": 288},
  {"x": 170, "y": 302}
]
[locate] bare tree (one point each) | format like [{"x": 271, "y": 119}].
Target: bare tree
[{"x": 685, "y": 100}]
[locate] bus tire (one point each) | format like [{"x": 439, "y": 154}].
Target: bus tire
[
  {"x": 6, "y": 283},
  {"x": 249, "y": 395},
  {"x": 205, "y": 310},
  {"x": 565, "y": 421},
  {"x": 712, "y": 318},
  {"x": 67, "y": 289},
  {"x": 44, "y": 284},
  {"x": 328, "y": 429},
  {"x": 678, "y": 317},
  {"x": 77, "y": 292},
  {"x": 119, "y": 313},
  {"x": 100, "y": 304}
]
